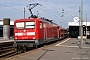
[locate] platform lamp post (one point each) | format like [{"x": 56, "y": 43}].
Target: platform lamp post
[
  {"x": 24, "y": 12},
  {"x": 81, "y": 24},
  {"x": 79, "y": 20},
  {"x": 86, "y": 25},
  {"x": 61, "y": 24}
]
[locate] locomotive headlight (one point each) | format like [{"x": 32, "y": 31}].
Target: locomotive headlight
[
  {"x": 33, "y": 37},
  {"x": 15, "y": 37}
]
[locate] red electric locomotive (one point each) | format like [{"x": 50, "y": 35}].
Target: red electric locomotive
[{"x": 34, "y": 31}]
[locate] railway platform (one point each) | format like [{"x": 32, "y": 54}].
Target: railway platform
[
  {"x": 2, "y": 40},
  {"x": 68, "y": 49}
]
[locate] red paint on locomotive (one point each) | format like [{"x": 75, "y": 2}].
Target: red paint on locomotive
[{"x": 36, "y": 31}]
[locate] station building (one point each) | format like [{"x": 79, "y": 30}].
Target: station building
[{"x": 74, "y": 29}]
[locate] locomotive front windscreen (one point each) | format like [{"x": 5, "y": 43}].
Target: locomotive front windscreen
[{"x": 21, "y": 25}]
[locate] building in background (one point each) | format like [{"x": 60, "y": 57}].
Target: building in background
[{"x": 74, "y": 30}]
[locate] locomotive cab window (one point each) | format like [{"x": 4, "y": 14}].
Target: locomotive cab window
[
  {"x": 20, "y": 25},
  {"x": 40, "y": 24},
  {"x": 30, "y": 24}
]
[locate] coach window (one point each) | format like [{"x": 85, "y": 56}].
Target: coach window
[{"x": 40, "y": 24}]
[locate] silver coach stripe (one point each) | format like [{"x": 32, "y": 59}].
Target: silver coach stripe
[
  {"x": 30, "y": 33},
  {"x": 18, "y": 34}
]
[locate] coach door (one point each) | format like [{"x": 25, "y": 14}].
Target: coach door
[{"x": 45, "y": 33}]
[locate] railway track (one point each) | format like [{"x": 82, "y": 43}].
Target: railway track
[{"x": 7, "y": 50}]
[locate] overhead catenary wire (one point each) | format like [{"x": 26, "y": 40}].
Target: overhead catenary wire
[
  {"x": 14, "y": 7},
  {"x": 10, "y": 7},
  {"x": 43, "y": 8},
  {"x": 53, "y": 7},
  {"x": 60, "y": 12},
  {"x": 47, "y": 10}
]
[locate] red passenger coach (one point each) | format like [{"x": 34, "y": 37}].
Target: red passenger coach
[
  {"x": 31, "y": 32},
  {"x": 63, "y": 33}
]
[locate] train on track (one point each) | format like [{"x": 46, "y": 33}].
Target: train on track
[
  {"x": 35, "y": 31},
  {"x": 31, "y": 32}
]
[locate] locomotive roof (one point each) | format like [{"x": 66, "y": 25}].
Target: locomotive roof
[{"x": 38, "y": 19}]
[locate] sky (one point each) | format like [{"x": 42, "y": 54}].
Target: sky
[{"x": 51, "y": 9}]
